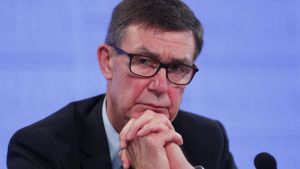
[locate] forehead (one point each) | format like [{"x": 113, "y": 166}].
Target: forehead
[{"x": 167, "y": 45}]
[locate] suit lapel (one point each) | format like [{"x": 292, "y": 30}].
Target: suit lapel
[{"x": 93, "y": 145}]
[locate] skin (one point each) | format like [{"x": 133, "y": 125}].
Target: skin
[
  {"x": 153, "y": 102},
  {"x": 156, "y": 146},
  {"x": 152, "y": 145},
  {"x": 128, "y": 96}
]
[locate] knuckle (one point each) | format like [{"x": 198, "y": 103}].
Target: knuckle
[
  {"x": 146, "y": 127},
  {"x": 149, "y": 113},
  {"x": 149, "y": 139},
  {"x": 163, "y": 126},
  {"x": 161, "y": 116}
]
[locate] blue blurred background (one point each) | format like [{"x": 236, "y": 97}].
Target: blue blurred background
[{"x": 249, "y": 75}]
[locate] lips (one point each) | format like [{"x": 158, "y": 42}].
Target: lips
[{"x": 154, "y": 107}]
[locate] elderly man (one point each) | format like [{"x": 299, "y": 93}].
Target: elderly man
[{"x": 148, "y": 60}]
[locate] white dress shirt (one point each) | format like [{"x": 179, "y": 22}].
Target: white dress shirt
[{"x": 112, "y": 138}]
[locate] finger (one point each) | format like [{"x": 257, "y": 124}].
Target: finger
[
  {"x": 148, "y": 117},
  {"x": 176, "y": 157},
  {"x": 123, "y": 133},
  {"x": 169, "y": 136},
  {"x": 124, "y": 159},
  {"x": 139, "y": 123},
  {"x": 166, "y": 121},
  {"x": 160, "y": 118},
  {"x": 152, "y": 128}
]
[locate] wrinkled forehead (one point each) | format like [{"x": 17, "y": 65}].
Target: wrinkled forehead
[{"x": 165, "y": 44}]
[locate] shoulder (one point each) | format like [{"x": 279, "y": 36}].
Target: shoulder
[
  {"x": 67, "y": 115},
  {"x": 187, "y": 121},
  {"x": 66, "y": 118},
  {"x": 199, "y": 129},
  {"x": 56, "y": 133}
]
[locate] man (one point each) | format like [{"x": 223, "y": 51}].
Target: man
[{"x": 147, "y": 60}]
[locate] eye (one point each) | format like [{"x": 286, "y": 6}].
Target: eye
[
  {"x": 175, "y": 68},
  {"x": 143, "y": 61},
  {"x": 181, "y": 69}
]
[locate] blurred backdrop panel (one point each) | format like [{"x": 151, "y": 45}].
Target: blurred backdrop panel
[{"x": 249, "y": 76}]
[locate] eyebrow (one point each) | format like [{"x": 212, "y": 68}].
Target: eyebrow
[{"x": 146, "y": 52}]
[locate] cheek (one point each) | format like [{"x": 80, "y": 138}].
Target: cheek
[
  {"x": 132, "y": 90},
  {"x": 131, "y": 93},
  {"x": 129, "y": 88},
  {"x": 175, "y": 95}
]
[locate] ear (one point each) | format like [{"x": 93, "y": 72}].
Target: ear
[{"x": 105, "y": 61}]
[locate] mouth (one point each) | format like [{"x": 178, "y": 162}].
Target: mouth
[{"x": 154, "y": 107}]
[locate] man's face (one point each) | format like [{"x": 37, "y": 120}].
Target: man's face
[{"x": 128, "y": 96}]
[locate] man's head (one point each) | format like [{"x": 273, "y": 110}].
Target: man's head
[
  {"x": 166, "y": 15},
  {"x": 157, "y": 31}
]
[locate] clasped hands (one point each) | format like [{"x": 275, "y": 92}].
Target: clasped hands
[{"x": 150, "y": 142}]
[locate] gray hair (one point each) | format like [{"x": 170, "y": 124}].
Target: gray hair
[{"x": 166, "y": 15}]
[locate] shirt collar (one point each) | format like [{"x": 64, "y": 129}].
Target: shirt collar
[{"x": 111, "y": 133}]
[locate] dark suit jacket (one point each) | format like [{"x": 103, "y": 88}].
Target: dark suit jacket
[{"x": 74, "y": 138}]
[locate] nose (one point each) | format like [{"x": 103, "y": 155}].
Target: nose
[{"x": 159, "y": 82}]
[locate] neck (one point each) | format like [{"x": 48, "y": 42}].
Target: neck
[{"x": 115, "y": 117}]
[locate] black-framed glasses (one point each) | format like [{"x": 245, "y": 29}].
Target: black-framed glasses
[{"x": 146, "y": 67}]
